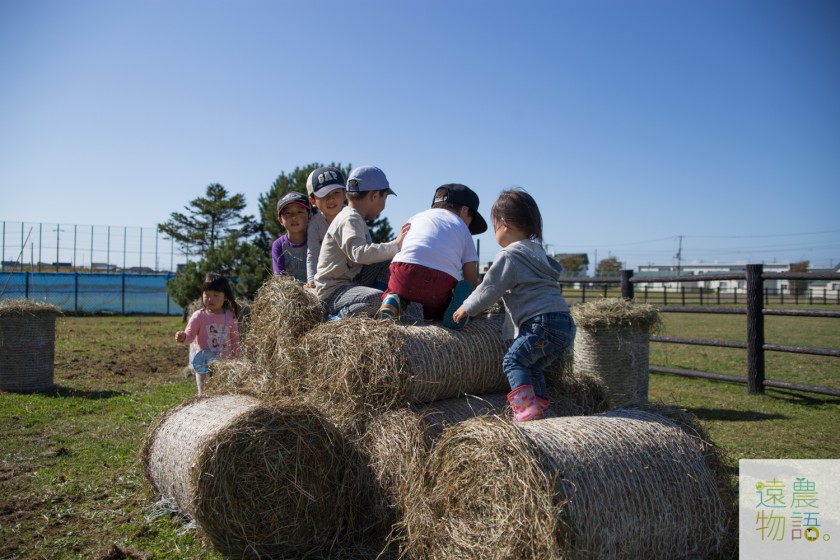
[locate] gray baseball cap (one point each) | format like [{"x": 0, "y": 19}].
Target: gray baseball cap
[{"x": 368, "y": 178}]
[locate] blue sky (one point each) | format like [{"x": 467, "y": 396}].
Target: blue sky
[{"x": 631, "y": 123}]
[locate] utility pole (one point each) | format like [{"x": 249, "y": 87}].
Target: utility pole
[{"x": 679, "y": 255}]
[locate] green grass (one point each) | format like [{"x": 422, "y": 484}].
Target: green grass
[{"x": 71, "y": 484}]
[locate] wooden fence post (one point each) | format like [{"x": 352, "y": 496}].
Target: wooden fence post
[
  {"x": 627, "y": 290},
  {"x": 755, "y": 330}
]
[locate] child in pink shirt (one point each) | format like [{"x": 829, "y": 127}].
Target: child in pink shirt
[{"x": 212, "y": 331}]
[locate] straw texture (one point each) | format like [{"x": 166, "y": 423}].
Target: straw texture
[
  {"x": 27, "y": 345},
  {"x": 627, "y": 484},
  {"x": 260, "y": 480},
  {"x": 362, "y": 367},
  {"x": 398, "y": 442},
  {"x": 613, "y": 341}
]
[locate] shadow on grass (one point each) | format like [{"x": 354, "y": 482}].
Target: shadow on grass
[
  {"x": 734, "y": 415},
  {"x": 801, "y": 398},
  {"x": 59, "y": 391}
]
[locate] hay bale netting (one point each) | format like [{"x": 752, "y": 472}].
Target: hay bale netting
[
  {"x": 613, "y": 341},
  {"x": 27, "y": 345},
  {"x": 627, "y": 484},
  {"x": 362, "y": 367},
  {"x": 259, "y": 479},
  {"x": 397, "y": 443}
]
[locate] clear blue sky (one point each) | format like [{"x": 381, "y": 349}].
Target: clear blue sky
[{"x": 631, "y": 123}]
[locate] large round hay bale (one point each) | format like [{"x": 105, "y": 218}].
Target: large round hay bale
[
  {"x": 627, "y": 484},
  {"x": 27, "y": 345},
  {"x": 613, "y": 341},
  {"x": 260, "y": 480},
  {"x": 397, "y": 443},
  {"x": 282, "y": 312},
  {"x": 362, "y": 367}
]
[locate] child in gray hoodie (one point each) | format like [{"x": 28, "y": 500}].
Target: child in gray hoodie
[{"x": 536, "y": 314}]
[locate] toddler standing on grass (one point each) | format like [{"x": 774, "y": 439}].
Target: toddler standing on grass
[
  {"x": 536, "y": 313},
  {"x": 213, "y": 328}
]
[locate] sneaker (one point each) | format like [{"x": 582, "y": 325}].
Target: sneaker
[
  {"x": 463, "y": 289},
  {"x": 338, "y": 315},
  {"x": 391, "y": 307}
]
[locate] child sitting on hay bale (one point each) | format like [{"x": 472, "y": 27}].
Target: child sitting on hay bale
[
  {"x": 288, "y": 252},
  {"x": 352, "y": 271},
  {"x": 437, "y": 265},
  {"x": 525, "y": 278},
  {"x": 213, "y": 328},
  {"x": 325, "y": 186}
]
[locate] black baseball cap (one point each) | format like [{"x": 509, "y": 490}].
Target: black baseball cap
[
  {"x": 455, "y": 193},
  {"x": 293, "y": 197}
]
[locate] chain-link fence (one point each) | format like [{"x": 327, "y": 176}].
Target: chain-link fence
[{"x": 40, "y": 247}]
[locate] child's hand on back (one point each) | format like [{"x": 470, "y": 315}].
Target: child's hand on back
[
  {"x": 403, "y": 230},
  {"x": 180, "y": 336}
]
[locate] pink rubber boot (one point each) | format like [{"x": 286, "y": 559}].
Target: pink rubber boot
[
  {"x": 524, "y": 404},
  {"x": 544, "y": 404}
]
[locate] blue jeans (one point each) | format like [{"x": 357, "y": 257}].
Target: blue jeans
[{"x": 542, "y": 340}]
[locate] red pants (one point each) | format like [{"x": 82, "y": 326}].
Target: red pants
[{"x": 429, "y": 287}]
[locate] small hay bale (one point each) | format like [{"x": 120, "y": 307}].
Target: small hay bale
[
  {"x": 613, "y": 341},
  {"x": 362, "y": 367},
  {"x": 259, "y": 479},
  {"x": 627, "y": 484},
  {"x": 282, "y": 312},
  {"x": 27, "y": 345}
]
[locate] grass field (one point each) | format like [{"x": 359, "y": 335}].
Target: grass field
[{"x": 71, "y": 485}]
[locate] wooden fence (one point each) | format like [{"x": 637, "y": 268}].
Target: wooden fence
[{"x": 754, "y": 298}]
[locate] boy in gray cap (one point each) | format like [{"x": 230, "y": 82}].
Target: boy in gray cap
[{"x": 349, "y": 278}]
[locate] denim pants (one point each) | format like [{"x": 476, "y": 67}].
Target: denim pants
[{"x": 542, "y": 340}]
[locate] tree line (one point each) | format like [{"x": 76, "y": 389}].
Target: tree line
[{"x": 216, "y": 235}]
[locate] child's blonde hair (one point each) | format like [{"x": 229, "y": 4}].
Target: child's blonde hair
[{"x": 518, "y": 209}]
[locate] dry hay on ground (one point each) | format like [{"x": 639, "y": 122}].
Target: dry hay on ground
[
  {"x": 362, "y": 367},
  {"x": 613, "y": 341},
  {"x": 627, "y": 484},
  {"x": 259, "y": 479},
  {"x": 27, "y": 345}
]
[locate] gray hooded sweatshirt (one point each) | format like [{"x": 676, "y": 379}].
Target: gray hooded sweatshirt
[{"x": 525, "y": 278}]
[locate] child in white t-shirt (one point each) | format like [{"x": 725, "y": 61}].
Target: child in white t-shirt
[{"x": 438, "y": 264}]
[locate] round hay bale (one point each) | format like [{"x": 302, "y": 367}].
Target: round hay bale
[
  {"x": 259, "y": 479},
  {"x": 27, "y": 345},
  {"x": 397, "y": 443},
  {"x": 627, "y": 484},
  {"x": 613, "y": 341},
  {"x": 282, "y": 312},
  {"x": 362, "y": 367}
]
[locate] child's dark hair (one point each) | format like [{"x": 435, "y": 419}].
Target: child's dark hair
[
  {"x": 217, "y": 283},
  {"x": 359, "y": 195},
  {"x": 518, "y": 209}
]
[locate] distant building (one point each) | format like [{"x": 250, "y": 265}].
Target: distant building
[
  {"x": 777, "y": 285},
  {"x": 103, "y": 267}
]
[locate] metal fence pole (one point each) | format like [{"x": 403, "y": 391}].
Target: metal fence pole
[
  {"x": 626, "y": 284},
  {"x": 755, "y": 330}
]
